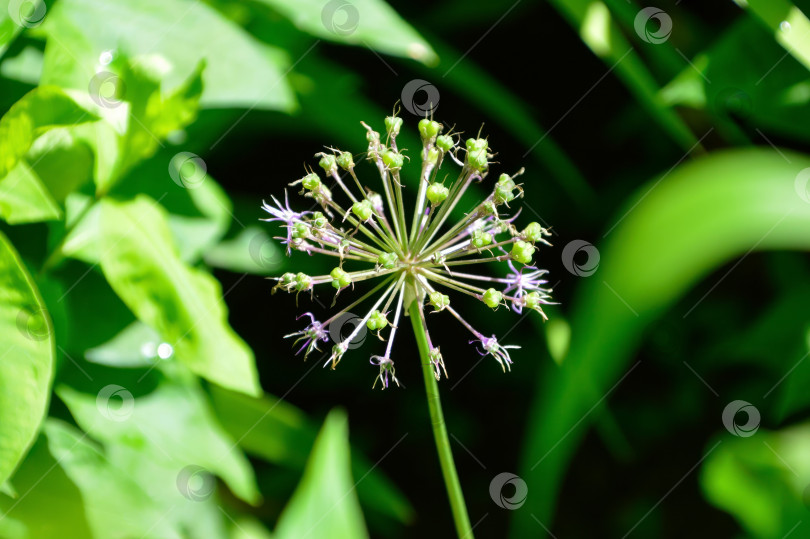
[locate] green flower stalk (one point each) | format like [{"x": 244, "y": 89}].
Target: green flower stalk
[{"x": 417, "y": 260}]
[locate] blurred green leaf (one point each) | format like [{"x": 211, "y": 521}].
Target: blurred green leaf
[
  {"x": 594, "y": 22},
  {"x": 45, "y": 490},
  {"x": 370, "y": 23},
  {"x": 789, "y": 25},
  {"x": 16, "y": 16},
  {"x": 240, "y": 72},
  {"x": 270, "y": 428},
  {"x": 762, "y": 480},
  {"x": 115, "y": 506},
  {"x": 251, "y": 251},
  {"x": 26, "y": 67},
  {"x": 26, "y": 360},
  {"x": 183, "y": 304},
  {"x": 676, "y": 230},
  {"x": 325, "y": 501},
  {"x": 40, "y": 109},
  {"x": 172, "y": 425},
  {"x": 136, "y": 346},
  {"x": 24, "y": 199}
]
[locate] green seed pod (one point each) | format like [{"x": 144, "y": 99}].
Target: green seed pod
[
  {"x": 376, "y": 321},
  {"x": 492, "y": 298},
  {"x": 489, "y": 208},
  {"x": 362, "y": 209},
  {"x": 287, "y": 280},
  {"x": 445, "y": 143},
  {"x": 428, "y": 129},
  {"x": 388, "y": 260},
  {"x": 318, "y": 220},
  {"x": 345, "y": 161},
  {"x": 522, "y": 252},
  {"x": 503, "y": 195},
  {"x": 303, "y": 282},
  {"x": 311, "y": 181},
  {"x": 373, "y": 137},
  {"x": 533, "y": 232},
  {"x": 532, "y": 300},
  {"x": 340, "y": 279},
  {"x": 432, "y": 156},
  {"x": 506, "y": 181},
  {"x": 300, "y": 230},
  {"x": 438, "y": 300},
  {"x": 393, "y": 125},
  {"x": 328, "y": 163},
  {"x": 393, "y": 160},
  {"x": 477, "y": 154},
  {"x": 437, "y": 193},
  {"x": 476, "y": 144},
  {"x": 479, "y": 238}
]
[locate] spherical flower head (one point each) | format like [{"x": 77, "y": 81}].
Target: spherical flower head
[{"x": 415, "y": 259}]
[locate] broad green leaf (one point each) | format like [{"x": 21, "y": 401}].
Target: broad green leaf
[
  {"x": 767, "y": 90},
  {"x": 172, "y": 425},
  {"x": 40, "y": 109},
  {"x": 762, "y": 480},
  {"x": 369, "y": 23},
  {"x": 325, "y": 503},
  {"x": 44, "y": 489},
  {"x": 137, "y": 345},
  {"x": 184, "y": 305},
  {"x": 272, "y": 429},
  {"x": 251, "y": 251},
  {"x": 240, "y": 72},
  {"x": 115, "y": 505},
  {"x": 24, "y": 199},
  {"x": 26, "y": 360},
  {"x": 677, "y": 230},
  {"x": 26, "y": 67}
]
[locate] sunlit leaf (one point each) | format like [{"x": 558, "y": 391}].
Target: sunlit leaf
[
  {"x": 369, "y": 23},
  {"x": 325, "y": 502},
  {"x": 26, "y": 360},
  {"x": 172, "y": 425},
  {"x": 184, "y": 305},
  {"x": 24, "y": 199},
  {"x": 240, "y": 72}
]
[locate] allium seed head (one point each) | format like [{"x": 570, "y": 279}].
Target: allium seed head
[{"x": 414, "y": 258}]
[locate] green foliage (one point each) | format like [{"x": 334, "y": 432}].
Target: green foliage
[{"x": 27, "y": 351}]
